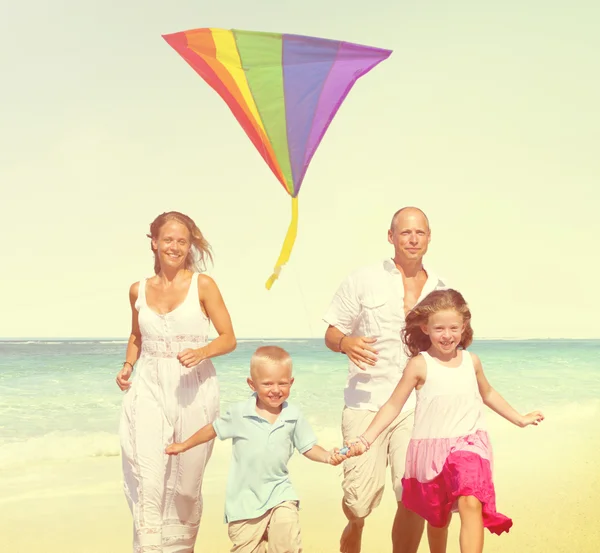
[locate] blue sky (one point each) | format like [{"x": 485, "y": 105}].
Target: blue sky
[{"x": 485, "y": 116}]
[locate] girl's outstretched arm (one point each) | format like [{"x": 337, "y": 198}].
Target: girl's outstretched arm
[
  {"x": 205, "y": 434},
  {"x": 497, "y": 403},
  {"x": 413, "y": 375}
]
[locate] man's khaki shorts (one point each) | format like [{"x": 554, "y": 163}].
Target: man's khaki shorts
[
  {"x": 277, "y": 531},
  {"x": 364, "y": 476}
]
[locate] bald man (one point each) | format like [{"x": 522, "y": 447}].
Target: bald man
[{"x": 365, "y": 319}]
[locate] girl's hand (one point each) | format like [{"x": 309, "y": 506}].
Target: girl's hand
[
  {"x": 123, "y": 377},
  {"x": 175, "y": 449},
  {"x": 357, "y": 447},
  {"x": 535, "y": 417},
  {"x": 190, "y": 357}
]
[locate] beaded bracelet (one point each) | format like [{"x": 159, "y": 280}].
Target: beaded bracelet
[
  {"x": 365, "y": 442},
  {"x": 340, "y": 344}
]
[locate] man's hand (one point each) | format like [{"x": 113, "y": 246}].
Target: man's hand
[{"x": 359, "y": 350}]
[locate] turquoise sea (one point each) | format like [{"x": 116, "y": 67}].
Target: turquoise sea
[{"x": 59, "y": 400}]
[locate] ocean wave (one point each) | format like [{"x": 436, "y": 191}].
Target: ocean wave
[
  {"x": 59, "y": 446},
  {"x": 63, "y": 341},
  {"x": 273, "y": 340},
  {"x": 32, "y": 342}
]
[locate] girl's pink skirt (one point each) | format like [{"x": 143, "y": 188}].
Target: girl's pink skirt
[{"x": 464, "y": 472}]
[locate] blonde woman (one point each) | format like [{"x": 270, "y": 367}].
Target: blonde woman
[{"x": 175, "y": 388}]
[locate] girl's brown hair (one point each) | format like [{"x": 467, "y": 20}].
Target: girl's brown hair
[
  {"x": 415, "y": 340},
  {"x": 200, "y": 250}
]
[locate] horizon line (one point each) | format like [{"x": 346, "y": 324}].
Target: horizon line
[{"x": 260, "y": 338}]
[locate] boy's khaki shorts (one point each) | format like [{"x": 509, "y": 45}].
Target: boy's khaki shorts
[
  {"x": 277, "y": 531},
  {"x": 364, "y": 476}
]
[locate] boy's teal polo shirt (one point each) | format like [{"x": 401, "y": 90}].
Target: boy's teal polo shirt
[{"x": 258, "y": 476}]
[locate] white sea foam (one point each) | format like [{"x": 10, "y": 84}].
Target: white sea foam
[
  {"x": 67, "y": 446},
  {"x": 273, "y": 340},
  {"x": 59, "y": 446}
]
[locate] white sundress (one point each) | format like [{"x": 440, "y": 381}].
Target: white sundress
[{"x": 167, "y": 402}]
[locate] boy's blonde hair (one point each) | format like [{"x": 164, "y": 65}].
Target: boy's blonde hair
[{"x": 269, "y": 355}]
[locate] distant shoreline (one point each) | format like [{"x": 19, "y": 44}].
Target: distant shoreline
[{"x": 255, "y": 339}]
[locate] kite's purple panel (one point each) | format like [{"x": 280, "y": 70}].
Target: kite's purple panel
[
  {"x": 352, "y": 62},
  {"x": 307, "y": 62}
]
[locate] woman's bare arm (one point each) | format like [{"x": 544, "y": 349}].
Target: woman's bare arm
[
  {"x": 134, "y": 344},
  {"x": 216, "y": 310}
]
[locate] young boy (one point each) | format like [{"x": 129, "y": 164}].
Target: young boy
[{"x": 261, "y": 505}]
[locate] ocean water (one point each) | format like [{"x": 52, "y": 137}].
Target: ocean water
[{"x": 59, "y": 400}]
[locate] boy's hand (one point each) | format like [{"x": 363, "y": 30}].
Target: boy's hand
[
  {"x": 535, "y": 417},
  {"x": 175, "y": 449},
  {"x": 335, "y": 458}
]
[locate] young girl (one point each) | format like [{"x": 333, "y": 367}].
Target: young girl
[{"x": 449, "y": 458}]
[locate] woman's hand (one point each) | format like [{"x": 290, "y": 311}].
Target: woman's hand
[
  {"x": 123, "y": 377},
  {"x": 191, "y": 357},
  {"x": 175, "y": 449}
]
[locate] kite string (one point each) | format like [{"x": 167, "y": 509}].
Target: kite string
[{"x": 303, "y": 299}]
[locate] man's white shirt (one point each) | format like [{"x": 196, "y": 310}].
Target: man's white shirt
[{"x": 370, "y": 302}]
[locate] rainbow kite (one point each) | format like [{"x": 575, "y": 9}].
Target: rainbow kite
[{"x": 283, "y": 89}]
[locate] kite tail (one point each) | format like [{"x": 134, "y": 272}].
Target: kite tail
[{"x": 288, "y": 244}]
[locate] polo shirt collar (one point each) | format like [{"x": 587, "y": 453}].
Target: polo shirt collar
[{"x": 288, "y": 412}]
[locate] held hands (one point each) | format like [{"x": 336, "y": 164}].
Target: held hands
[
  {"x": 191, "y": 357},
  {"x": 535, "y": 417},
  {"x": 335, "y": 457},
  {"x": 123, "y": 377},
  {"x": 359, "y": 350},
  {"x": 356, "y": 446}
]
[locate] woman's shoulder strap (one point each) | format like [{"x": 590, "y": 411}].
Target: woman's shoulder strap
[{"x": 141, "y": 299}]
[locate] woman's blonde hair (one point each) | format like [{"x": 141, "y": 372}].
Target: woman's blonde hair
[
  {"x": 200, "y": 249},
  {"x": 415, "y": 340}
]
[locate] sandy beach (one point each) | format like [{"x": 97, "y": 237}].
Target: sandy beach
[{"x": 547, "y": 480}]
